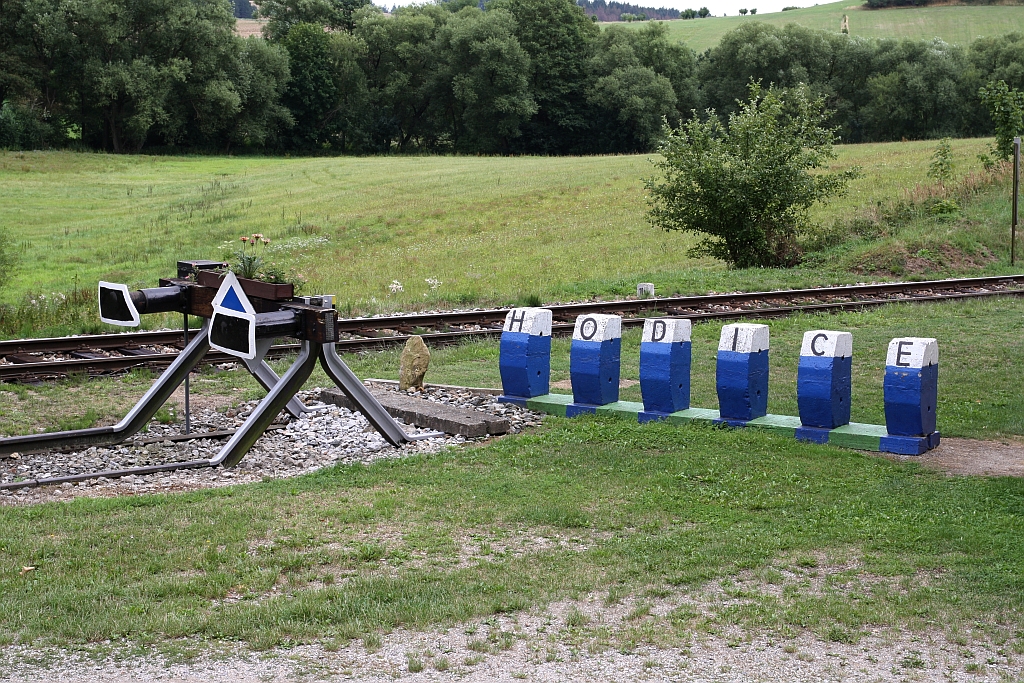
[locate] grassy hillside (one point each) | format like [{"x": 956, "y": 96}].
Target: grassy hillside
[
  {"x": 954, "y": 24},
  {"x": 490, "y": 230}
]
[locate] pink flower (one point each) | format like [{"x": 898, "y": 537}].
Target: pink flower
[{"x": 244, "y": 239}]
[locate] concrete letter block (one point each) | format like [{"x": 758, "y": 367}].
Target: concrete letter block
[
  {"x": 911, "y": 388},
  {"x": 741, "y": 375},
  {"x": 665, "y": 367},
  {"x": 823, "y": 383},
  {"x": 594, "y": 362},
  {"x": 525, "y": 354}
]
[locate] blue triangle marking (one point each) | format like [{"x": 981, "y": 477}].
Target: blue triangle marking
[{"x": 232, "y": 302}]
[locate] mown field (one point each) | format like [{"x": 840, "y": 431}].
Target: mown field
[
  {"x": 490, "y": 230},
  {"x": 951, "y": 23},
  {"x": 624, "y": 510}
]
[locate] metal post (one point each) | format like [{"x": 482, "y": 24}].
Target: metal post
[
  {"x": 1016, "y": 186},
  {"x": 188, "y": 413}
]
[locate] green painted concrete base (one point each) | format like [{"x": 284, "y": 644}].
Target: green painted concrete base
[
  {"x": 863, "y": 437},
  {"x": 682, "y": 417},
  {"x": 785, "y": 425},
  {"x": 552, "y": 404},
  {"x": 624, "y": 409}
]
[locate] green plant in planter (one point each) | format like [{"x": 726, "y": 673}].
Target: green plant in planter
[
  {"x": 251, "y": 263},
  {"x": 249, "y": 258}
]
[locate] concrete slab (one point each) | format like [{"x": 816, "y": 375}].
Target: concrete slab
[
  {"x": 428, "y": 414},
  {"x": 693, "y": 415}
]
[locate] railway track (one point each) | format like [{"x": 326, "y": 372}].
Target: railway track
[{"x": 35, "y": 359}]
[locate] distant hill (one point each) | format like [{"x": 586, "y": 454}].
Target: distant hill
[
  {"x": 611, "y": 11},
  {"x": 953, "y": 23}
]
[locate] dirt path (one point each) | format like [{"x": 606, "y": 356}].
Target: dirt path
[{"x": 973, "y": 457}]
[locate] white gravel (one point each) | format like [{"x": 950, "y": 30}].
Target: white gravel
[{"x": 328, "y": 436}]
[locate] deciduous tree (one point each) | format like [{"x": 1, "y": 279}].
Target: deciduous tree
[
  {"x": 747, "y": 185},
  {"x": 484, "y": 80}
]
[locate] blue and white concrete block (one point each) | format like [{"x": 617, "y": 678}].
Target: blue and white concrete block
[
  {"x": 911, "y": 388},
  {"x": 823, "y": 383},
  {"x": 665, "y": 367},
  {"x": 741, "y": 375},
  {"x": 525, "y": 354},
  {"x": 594, "y": 362}
]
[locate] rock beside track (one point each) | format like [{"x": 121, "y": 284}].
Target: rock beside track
[{"x": 330, "y": 435}]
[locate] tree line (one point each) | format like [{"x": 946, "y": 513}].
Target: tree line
[
  {"x": 520, "y": 76},
  {"x": 878, "y": 4},
  {"x": 611, "y": 10}
]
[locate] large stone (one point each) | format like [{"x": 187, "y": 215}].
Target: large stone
[{"x": 413, "y": 364}]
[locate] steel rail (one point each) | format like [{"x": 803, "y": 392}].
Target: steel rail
[
  {"x": 688, "y": 306},
  {"x": 455, "y": 318},
  {"x": 99, "y": 366},
  {"x": 93, "y": 341}
]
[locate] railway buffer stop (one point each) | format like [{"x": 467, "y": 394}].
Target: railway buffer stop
[{"x": 241, "y": 318}]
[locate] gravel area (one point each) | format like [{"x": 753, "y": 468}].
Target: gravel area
[
  {"x": 325, "y": 437},
  {"x": 566, "y": 641}
]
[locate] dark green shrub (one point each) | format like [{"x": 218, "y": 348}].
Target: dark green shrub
[{"x": 747, "y": 186}]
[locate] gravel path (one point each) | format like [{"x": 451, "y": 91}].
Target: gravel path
[
  {"x": 551, "y": 645},
  {"x": 292, "y": 447}
]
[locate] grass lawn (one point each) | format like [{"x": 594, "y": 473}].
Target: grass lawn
[
  {"x": 978, "y": 398},
  {"x": 958, "y": 24},
  {"x": 798, "y": 537},
  {"x": 492, "y": 230},
  {"x": 740, "y": 528}
]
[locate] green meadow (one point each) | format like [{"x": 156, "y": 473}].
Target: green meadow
[
  {"x": 489, "y": 230},
  {"x": 958, "y": 24},
  {"x": 739, "y": 529}
]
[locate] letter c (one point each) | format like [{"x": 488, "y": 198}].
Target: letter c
[{"x": 814, "y": 344}]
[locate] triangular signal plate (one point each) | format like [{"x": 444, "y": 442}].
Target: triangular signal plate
[{"x": 231, "y": 296}]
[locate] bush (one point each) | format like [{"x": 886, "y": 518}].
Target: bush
[
  {"x": 20, "y": 128},
  {"x": 941, "y": 168},
  {"x": 1006, "y": 105},
  {"x": 748, "y": 186},
  {"x": 54, "y": 314},
  {"x": 6, "y": 258}
]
